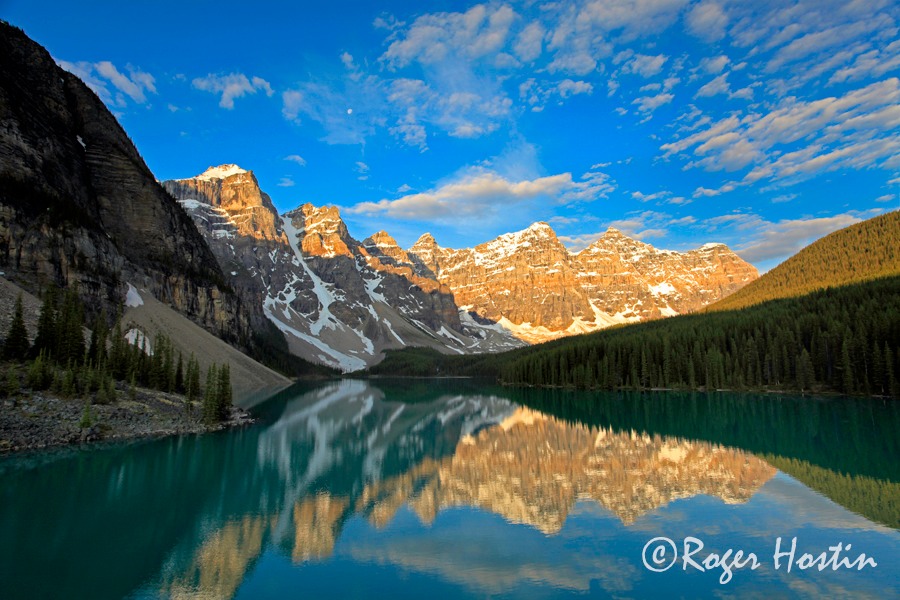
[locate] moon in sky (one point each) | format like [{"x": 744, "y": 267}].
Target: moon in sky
[{"x": 349, "y": 111}]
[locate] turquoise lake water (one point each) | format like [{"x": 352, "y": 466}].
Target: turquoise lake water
[{"x": 461, "y": 489}]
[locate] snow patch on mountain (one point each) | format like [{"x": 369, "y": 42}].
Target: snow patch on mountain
[
  {"x": 133, "y": 298},
  {"x": 220, "y": 172}
]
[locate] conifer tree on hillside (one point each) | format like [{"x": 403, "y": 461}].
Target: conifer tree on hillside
[
  {"x": 45, "y": 341},
  {"x": 70, "y": 337},
  {"x": 16, "y": 345},
  {"x": 99, "y": 334},
  {"x": 223, "y": 400},
  {"x": 211, "y": 396},
  {"x": 193, "y": 379},
  {"x": 179, "y": 375}
]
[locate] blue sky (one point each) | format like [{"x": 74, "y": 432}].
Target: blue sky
[{"x": 762, "y": 124}]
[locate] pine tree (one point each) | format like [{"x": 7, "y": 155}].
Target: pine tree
[
  {"x": 118, "y": 352},
  {"x": 805, "y": 375},
  {"x": 12, "y": 387},
  {"x": 223, "y": 401},
  {"x": 70, "y": 383},
  {"x": 70, "y": 337},
  {"x": 169, "y": 368},
  {"x": 211, "y": 396},
  {"x": 179, "y": 375},
  {"x": 847, "y": 367},
  {"x": 16, "y": 345},
  {"x": 45, "y": 341},
  {"x": 193, "y": 379},
  {"x": 99, "y": 335},
  {"x": 87, "y": 419},
  {"x": 40, "y": 374},
  {"x": 893, "y": 379}
]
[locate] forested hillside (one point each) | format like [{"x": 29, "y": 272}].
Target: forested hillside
[
  {"x": 841, "y": 339},
  {"x": 838, "y": 339},
  {"x": 861, "y": 252}
]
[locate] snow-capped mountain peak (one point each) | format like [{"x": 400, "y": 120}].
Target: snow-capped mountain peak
[{"x": 220, "y": 172}]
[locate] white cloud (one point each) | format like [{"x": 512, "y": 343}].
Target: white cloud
[
  {"x": 578, "y": 242},
  {"x": 529, "y": 43},
  {"x": 476, "y": 193},
  {"x": 259, "y": 83},
  {"x": 84, "y": 71},
  {"x": 99, "y": 75},
  {"x": 873, "y": 63},
  {"x": 714, "y": 64},
  {"x": 783, "y": 198},
  {"x": 633, "y": 18},
  {"x": 886, "y": 198},
  {"x": 296, "y": 158},
  {"x": 133, "y": 89},
  {"x": 707, "y": 20},
  {"x": 799, "y": 138},
  {"x": 349, "y": 110},
  {"x": 594, "y": 185},
  {"x": 709, "y": 193},
  {"x": 465, "y": 113},
  {"x": 645, "y": 65},
  {"x": 567, "y": 88},
  {"x": 649, "y": 197},
  {"x": 647, "y": 104},
  {"x": 231, "y": 86},
  {"x": 719, "y": 85},
  {"x": 432, "y": 38},
  {"x": 292, "y": 101},
  {"x": 806, "y": 40},
  {"x": 286, "y": 182}
]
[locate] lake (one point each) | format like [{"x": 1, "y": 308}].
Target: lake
[{"x": 459, "y": 488}]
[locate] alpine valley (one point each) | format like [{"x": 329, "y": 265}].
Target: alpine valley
[
  {"x": 76, "y": 193},
  {"x": 238, "y": 383},
  {"x": 343, "y": 302}
]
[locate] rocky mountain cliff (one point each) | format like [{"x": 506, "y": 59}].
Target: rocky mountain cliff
[
  {"x": 338, "y": 301},
  {"x": 343, "y": 302},
  {"x": 530, "y": 284},
  {"x": 75, "y": 195}
]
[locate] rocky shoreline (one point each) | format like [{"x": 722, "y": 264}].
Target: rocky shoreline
[{"x": 43, "y": 420}]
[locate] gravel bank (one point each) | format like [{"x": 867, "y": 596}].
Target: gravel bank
[{"x": 34, "y": 421}]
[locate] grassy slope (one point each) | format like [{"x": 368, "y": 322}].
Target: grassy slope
[{"x": 858, "y": 253}]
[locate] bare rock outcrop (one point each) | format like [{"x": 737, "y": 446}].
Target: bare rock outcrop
[
  {"x": 530, "y": 284},
  {"x": 78, "y": 205}
]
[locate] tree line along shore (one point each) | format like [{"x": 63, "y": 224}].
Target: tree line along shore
[{"x": 116, "y": 384}]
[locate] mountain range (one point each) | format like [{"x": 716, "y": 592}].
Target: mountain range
[
  {"x": 79, "y": 207},
  {"x": 343, "y": 302}
]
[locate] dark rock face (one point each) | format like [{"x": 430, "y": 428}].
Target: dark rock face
[
  {"x": 79, "y": 205},
  {"x": 338, "y": 301}
]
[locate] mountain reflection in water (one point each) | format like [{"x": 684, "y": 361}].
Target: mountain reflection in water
[{"x": 373, "y": 469}]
